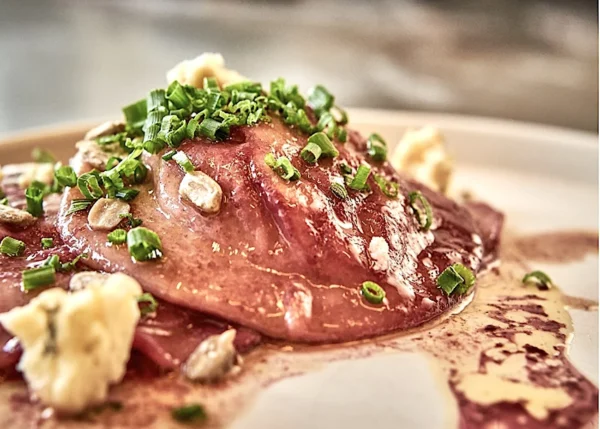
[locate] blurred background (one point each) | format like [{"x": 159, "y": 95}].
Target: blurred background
[{"x": 530, "y": 60}]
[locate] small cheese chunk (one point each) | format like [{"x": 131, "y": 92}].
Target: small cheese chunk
[
  {"x": 106, "y": 213},
  {"x": 423, "y": 156},
  {"x": 214, "y": 358},
  {"x": 380, "y": 253},
  {"x": 15, "y": 216},
  {"x": 76, "y": 344},
  {"x": 193, "y": 72},
  {"x": 28, "y": 172},
  {"x": 201, "y": 190}
]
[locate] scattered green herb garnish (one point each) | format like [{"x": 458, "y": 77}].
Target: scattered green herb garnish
[
  {"x": 47, "y": 243},
  {"x": 421, "y": 208},
  {"x": 282, "y": 166},
  {"x": 148, "y": 303},
  {"x": 144, "y": 244},
  {"x": 12, "y": 247},
  {"x": 189, "y": 413},
  {"x": 38, "y": 277},
  {"x": 540, "y": 278},
  {"x": 456, "y": 279},
  {"x": 372, "y": 292},
  {"x": 118, "y": 236}
]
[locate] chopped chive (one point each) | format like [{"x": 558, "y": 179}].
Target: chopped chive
[
  {"x": 112, "y": 162},
  {"x": 339, "y": 190},
  {"x": 79, "y": 205},
  {"x": 126, "y": 194},
  {"x": 421, "y": 208},
  {"x": 342, "y": 135},
  {"x": 189, "y": 413},
  {"x": 539, "y": 277},
  {"x": 359, "y": 182},
  {"x": 345, "y": 168},
  {"x": 65, "y": 176},
  {"x": 183, "y": 161},
  {"x": 52, "y": 261},
  {"x": 389, "y": 188},
  {"x": 311, "y": 153},
  {"x": 144, "y": 244},
  {"x": 47, "y": 243},
  {"x": 320, "y": 99},
  {"x": 68, "y": 266},
  {"x": 377, "y": 147},
  {"x": 34, "y": 197},
  {"x": 11, "y": 247},
  {"x": 169, "y": 155},
  {"x": 133, "y": 222},
  {"x": 118, "y": 236},
  {"x": 456, "y": 279},
  {"x": 149, "y": 303},
  {"x": 372, "y": 292},
  {"x": 89, "y": 185},
  {"x": 283, "y": 167},
  {"x": 135, "y": 113},
  {"x": 42, "y": 156},
  {"x": 177, "y": 95},
  {"x": 38, "y": 277}
]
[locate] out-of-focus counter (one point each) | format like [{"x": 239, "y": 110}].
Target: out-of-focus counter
[{"x": 535, "y": 61}]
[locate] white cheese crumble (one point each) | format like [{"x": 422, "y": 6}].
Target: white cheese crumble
[
  {"x": 76, "y": 344},
  {"x": 423, "y": 156},
  {"x": 202, "y": 191},
  {"x": 193, "y": 72},
  {"x": 380, "y": 253}
]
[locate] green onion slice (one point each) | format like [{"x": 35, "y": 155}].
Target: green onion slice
[
  {"x": 34, "y": 196},
  {"x": 149, "y": 303},
  {"x": 421, "y": 208},
  {"x": 189, "y": 413},
  {"x": 65, "y": 176},
  {"x": 539, "y": 277},
  {"x": 377, "y": 147},
  {"x": 311, "y": 153},
  {"x": 144, "y": 244},
  {"x": 283, "y": 167},
  {"x": 89, "y": 185},
  {"x": 79, "y": 204},
  {"x": 372, "y": 292},
  {"x": 12, "y": 247},
  {"x": 320, "y": 99},
  {"x": 456, "y": 279},
  {"x": 135, "y": 114},
  {"x": 184, "y": 162},
  {"x": 118, "y": 236},
  {"x": 47, "y": 243},
  {"x": 133, "y": 222},
  {"x": 359, "y": 182},
  {"x": 68, "y": 266},
  {"x": 169, "y": 155},
  {"x": 389, "y": 188},
  {"x": 339, "y": 190},
  {"x": 38, "y": 277},
  {"x": 42, "y": 155}
]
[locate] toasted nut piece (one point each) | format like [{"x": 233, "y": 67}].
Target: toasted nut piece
[
  {"x": 81, "y": 280},
  {"x": 15, "y": 216},
  {"x": 106, "y": 213},
  {"x": 106, "y": 129},
  {"x": 193, "y": 72},
  {"x": 212, "y": 359},
  {"x": 201, "y": 190},
  {"x": 24, "y": 174},
  {"x": 90, "y": 152}
]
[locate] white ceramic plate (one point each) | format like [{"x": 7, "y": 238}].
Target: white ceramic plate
[{"x": 542, "y": 178}]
